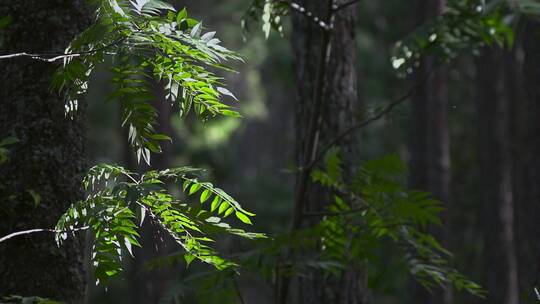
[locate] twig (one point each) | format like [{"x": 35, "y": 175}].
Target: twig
[
  {"x": 344, "y": 5},
  {"x": 41, "y": 57},
  {"x": 309, "y": 15},
  {"x": 19, "y": 233},
  {"x": 58, "y": 56},
  {"x": 385, "y": 111}
]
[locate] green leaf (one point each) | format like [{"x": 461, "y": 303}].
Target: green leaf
[
  {"x": 225, "y": 91},
  {"x": 223, "y": 207},
  {"x": 186, "y": 185},
  {"x": 9, "y": 141},
  {"x": 242, "y": 217},
  {"x": 205, "y": 195},
  {"x": 194, "y": 188},
  {"x": 189, "y": 258},
  {"x": 160, "y": 137},
  {"x": 228, "y": 212},
  {"x": 181, "y": 15},
  {"x": 215, "y": 203},
  {"x": 127, "y": 244},
  {"x": 196, "y": 30},
  {"x": 35, "y": 196}
]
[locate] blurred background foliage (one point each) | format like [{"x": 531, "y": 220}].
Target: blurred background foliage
[{"x": 253, "y": 158}]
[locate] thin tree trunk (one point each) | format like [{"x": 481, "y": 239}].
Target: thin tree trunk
[
  {"x": 429, "y": 164},
  {"x": 48, "y": 160},
  {"x": 528, "y": 202},
  {"x": 495, "y": 162},
  {"x": 338, "y": 108}
]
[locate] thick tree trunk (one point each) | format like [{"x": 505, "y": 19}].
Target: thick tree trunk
[
  {"x": 528, "y": 195},
  {"x": 48, "y": 160},
  {"x": 429, "y": 164},
  {"x": 339, "y": 107},
  {"x": 495, "y": 163}
]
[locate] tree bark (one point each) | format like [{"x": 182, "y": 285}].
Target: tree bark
[
  {"x": 528, "y": 175},
  {"x": 49, "y": 158},
  {"x": 496, "y": 190},
  {"x": 429, "y": 164},
  {"x": 339, "y": 108}
]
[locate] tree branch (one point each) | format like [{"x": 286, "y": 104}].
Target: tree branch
[
  {"x": 309, "y": 15},
  {"x": 52, "y": 57},
  {"x": 385, "y": 111},
  {"x": 19, "y": 233},
  {"x": 344, "y": 5}
]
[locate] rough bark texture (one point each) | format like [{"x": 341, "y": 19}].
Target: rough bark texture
[
  {"x": 429, "y": 164},
  {"x": 495, "y": 163},
  {"x": 528, "y": 200},
  {"x": 339, "y": 108},
  {"x": 48, "y": 160}
]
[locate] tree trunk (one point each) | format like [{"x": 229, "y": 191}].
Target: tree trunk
[
  {"x": 338, "y": 110},
  {"x": 429, "y": 165},
  {"x": 528, "y": 199},
  {"x": 495, "y": 163},
  {"x": 49, "y": 158}
]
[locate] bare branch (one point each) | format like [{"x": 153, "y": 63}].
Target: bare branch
[
  {"x": 309, "y": 15},
  {"x": 385, "y": 111},
  {"x": 344, "y": 5},
  {"x": 52, "y": 57},
  {"x": 40, "y": 57},
  {"x": 19, "y": 233}
]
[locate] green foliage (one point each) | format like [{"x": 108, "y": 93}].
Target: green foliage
[
  {"x": 373, "y": 212},
  {"x": 4, "y": 143},
  {"x": 376, "y": 206},
  {"x": 464, "y": 26},
  {"x": 211, "y": 287},
  {"x": 146, "y": 42},
  {"x": 117, "y": 205},
  {"x": 269, "y": 13},
  {"x": 4, "y": 23}
]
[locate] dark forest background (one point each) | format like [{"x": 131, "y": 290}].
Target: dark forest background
[{"x": 469, "y": 135}]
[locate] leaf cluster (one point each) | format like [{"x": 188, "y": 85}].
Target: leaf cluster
[
  {"x": 375, "y": 207},
  {"x": 465, "y": 26},
  {"x": 119, "y": 201},
  {"x": 148, "y": 43},
  {"x": 269, "y": 13}
]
